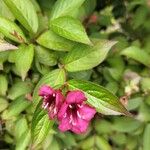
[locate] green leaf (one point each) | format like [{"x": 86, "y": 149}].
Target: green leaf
[
  {"x": 19, "y": 88},
  {"x": 146, "y": 138},
  {"x": 99, "y": 97},
  {"x": 54, "y": 78},
  {"x": 70, "y": 28},
  {"x": 102, "y": 143},
  {"x": 11, "y": 30},
  {"x": 55, "y": 42},
  {"x": 3, "y": 104},
  {"x": 3, "y": 57},
  {"x": 45, "y": 56},
  {"x": 40, "y": 126},
  {"x": 25, "y": 13},
  {"x": 16, "y": 107},
  {"x": 3, "y": 85},
  {"x": 24, "y": 141},
  {"x": 23, "y": 59},
  {"x": 117, "y": 67},
  {"x": 124, "y": 124},
  {"x": 83, "y": 57},
  {"x": 87, "y": 143},
  {"x": 145, "y": 84},
  {"x": 64, "y": 7},
  {"x": 137, "y": 54},
  {"x": 21, "y": 126},
  {"x": 5, "y": 12}
]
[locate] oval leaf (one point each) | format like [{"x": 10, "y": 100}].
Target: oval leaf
[
  {"x": 54, "y": 78},
  {"x": 45, "y": 56},
  {"x": 137, "y": 54},
  {"x": 40, "y": 126},
  {"x": 11, "y": 30},
  {"x": 99, "y": 97},
  {"x": 63, "y": 7},
  {"x": 51, "y": 40},
  {"x": 23, "y": 59},
  {"x": 16, "y": 107},
  {"x": 25, "y": 13},
  {"x": 87, "y": 57},
  {"x": 70, "y": 28}
]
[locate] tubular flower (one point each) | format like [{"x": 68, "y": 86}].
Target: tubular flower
[
  {"x": 74, "y": 114},
  {"x": 52, "y": 100}
]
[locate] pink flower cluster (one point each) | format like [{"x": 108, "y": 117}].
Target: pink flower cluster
[{"x": 71, "y": 111}]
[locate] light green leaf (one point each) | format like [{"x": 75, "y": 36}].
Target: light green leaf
[
  {"x": 19, "y": 88},
  {"x": 45, "y": 56},
  {"x": 64, "y": 7},
  {"x": 102, "y": 143},
  {"x": 11, "y": 30},
  {"x": 99, "y": 97},
  {"x": 145, "y": 84},
  {"x": 3, "y": 85},
  {"x": 25, "y": 13},
  {"x": 88, "y": 143},
  {"x": 51, "y": 40},
  {"x": 21, "y": 126},
  {"x": 146, "y": 138},
  {"x": 5, "y": 12},
  {"x": 137, "y": 54},
  {"x": 83, "y": 57},
  {"x": 16, "y": 107},
  {"x": 3, "y": 57},
  {"x": 3, "y": 104},
  {"x": 23, "y": 59},
  {"x": 124, "y": 124},
  {"x": 54, "y": 78},
  {"x": 24, "y": 140},
  {"x": 41, "y": 125},
  {"x": 70, "y": 28}
]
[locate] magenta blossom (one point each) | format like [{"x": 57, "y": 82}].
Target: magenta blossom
[
  {"x": 74, "y": 114},
  {"x": 52, "y": 100}
]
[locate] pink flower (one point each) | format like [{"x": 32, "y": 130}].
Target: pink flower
[
  {"x": 74, "y": 114},
  {"x": 52, "y": 100}
]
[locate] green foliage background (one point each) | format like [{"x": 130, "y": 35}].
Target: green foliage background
[{"x": 41, "y": 46}]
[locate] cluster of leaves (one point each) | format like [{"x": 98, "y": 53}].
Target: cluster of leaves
[{"x": 54, "y": 42}]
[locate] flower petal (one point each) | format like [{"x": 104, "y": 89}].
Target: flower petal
[
  {"x": 75, "y": 97},
  {"x": 63, "y": 111},
  {"x": 64, "y": 124},
  {"x": 45, "y": 90},
  {"x": 87, "y": 112},
  {"x": 80, "y": 127},
  {"x": 59, "y": 98}
]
